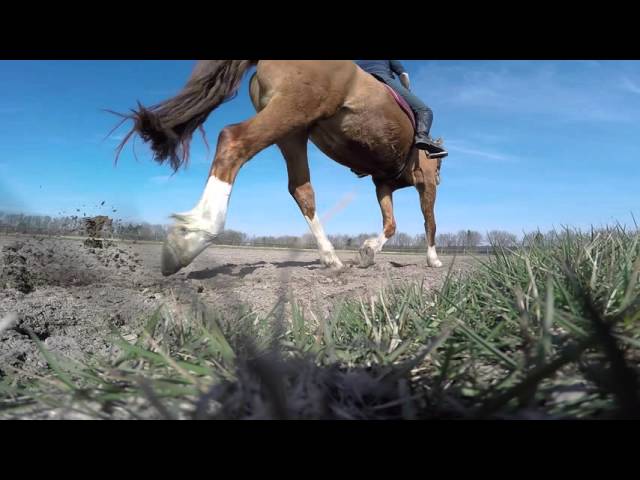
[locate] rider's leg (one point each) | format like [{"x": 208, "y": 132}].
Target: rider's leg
[
  {"x": 422, "y": 112},
  {"x": 424, "y": 118}
]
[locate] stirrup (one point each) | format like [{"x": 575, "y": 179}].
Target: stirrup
[
  {"x": 433, "y": 147},
  {"x": 441, "y": 154}
]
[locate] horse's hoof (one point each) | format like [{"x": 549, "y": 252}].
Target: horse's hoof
[
  {"x": 170, "y": 262},
  {"x": 434, "y": 263},
  {"x": 367, "y": 257},
  {"x": 331, "y": 260},
  {"x": 432, "y": 258},
  {"x": 337, "y": 267}
]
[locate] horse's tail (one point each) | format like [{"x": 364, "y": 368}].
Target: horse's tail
[{"x": 169, "y": 125}]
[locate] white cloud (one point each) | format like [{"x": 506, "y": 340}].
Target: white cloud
[
  {"x": 463, "y": 147},
  {"x": 480, "y": 153}
]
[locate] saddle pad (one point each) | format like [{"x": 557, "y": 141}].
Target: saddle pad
[{"x": 403, "y": 105}]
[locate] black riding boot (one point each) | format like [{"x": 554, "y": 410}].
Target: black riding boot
[{"x": 424, "y": 142}]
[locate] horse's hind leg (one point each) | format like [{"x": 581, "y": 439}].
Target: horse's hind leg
[
  {"x": 294, "y": 150},
  {"x": 374, "y": 245},
  {"x": 237, "y": 144},
  {"x": 426, "y": 184}
]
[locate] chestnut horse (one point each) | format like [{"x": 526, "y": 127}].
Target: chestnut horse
[{"x": 347, "y": 113}]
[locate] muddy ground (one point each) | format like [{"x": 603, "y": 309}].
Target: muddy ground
[{"x": 71, "y": 294}]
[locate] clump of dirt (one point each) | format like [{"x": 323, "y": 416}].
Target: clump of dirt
[
  {"x": 14, "y": 272},
  {"x": 96, "y": 226}
]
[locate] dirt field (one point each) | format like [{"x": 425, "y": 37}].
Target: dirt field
[{"x": 71, "y": 295}]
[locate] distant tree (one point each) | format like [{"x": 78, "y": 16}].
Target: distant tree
[
  {"x": 339, "y": 241},
  {"x": 468, "y": 238},
  {"x": 446, "y": 240},
  {"x": 419, "y": 240},
  {"x": 536, "y": 238},
  {"x": 502, "y": 238},
  {"x": 231, "y": 237},
  {"x": 307, "y": 241}
]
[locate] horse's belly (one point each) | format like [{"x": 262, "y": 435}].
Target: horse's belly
[{"x": 367, "y": 147}]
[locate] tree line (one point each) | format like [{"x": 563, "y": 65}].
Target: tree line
[{"x": 76, "y": 226}]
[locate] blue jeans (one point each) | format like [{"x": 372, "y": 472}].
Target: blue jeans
[{"x": 424, "y": 115}]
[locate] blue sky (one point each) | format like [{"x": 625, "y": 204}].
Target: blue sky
[{"x": 533, "y": 144}]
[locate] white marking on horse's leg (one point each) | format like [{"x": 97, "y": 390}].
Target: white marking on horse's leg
[
  {"x": 210, "y": 213},
  {"x": 327, "y": 254},
  {"x": 432, "y": 257},
  {"x": 194, "y": 230},
  {"x": 376, "y": 243}
]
